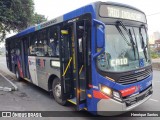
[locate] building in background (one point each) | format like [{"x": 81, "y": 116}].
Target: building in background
[
  {"x": 157, "y": 46},
  {"x": 153, "y": 37}
]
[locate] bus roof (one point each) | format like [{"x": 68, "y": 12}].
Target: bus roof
[{"x": 90, "y": 8}]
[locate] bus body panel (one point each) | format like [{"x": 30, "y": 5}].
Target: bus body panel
[
  {"x": 45, "y": 70},
  {"x": 140, "y": 86},
  {"x": 41, "y": 68},
  {"x": 33, "y": 69},
  {"x": 108, "y": 104},
  {"x": 115, "y": 108}
]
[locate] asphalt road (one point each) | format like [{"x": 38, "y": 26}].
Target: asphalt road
[{"x": 32, "y": 98}]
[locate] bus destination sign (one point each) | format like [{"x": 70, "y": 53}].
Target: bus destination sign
[{"x": 121, "y": 12}]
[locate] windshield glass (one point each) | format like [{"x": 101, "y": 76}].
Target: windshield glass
[{"x": 124, "y": 51}]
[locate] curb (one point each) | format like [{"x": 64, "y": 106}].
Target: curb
[{"x": 7, "y": 88}]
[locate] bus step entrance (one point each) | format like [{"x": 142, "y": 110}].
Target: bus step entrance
[{"x": 73, "y": 101}]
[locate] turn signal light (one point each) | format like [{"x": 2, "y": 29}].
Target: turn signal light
[{"x": 89, "y": 95}]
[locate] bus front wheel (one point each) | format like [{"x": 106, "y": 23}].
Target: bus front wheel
[{"x": 56, "y": 89}]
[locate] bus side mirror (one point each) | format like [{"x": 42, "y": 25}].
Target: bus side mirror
[{"x": 100, "y": 37}]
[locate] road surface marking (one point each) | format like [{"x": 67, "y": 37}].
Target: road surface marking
[
  {"x": 154, "y": 100},
  {"x": 9, "y": 81}
]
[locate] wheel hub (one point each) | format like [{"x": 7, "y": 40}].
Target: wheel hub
[{"x": 58, "y": 90}]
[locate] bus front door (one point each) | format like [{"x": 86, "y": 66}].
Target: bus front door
[
  {"x": 81, "y": 62},
  {"x": 74, "y": 63},
  {"x": 66, "y": 59}
]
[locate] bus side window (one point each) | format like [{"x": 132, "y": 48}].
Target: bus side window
[
  {"x": 33, "y": 45},
  {"x": 53, "y": 42},
  {"x": 38, "y": 44}
]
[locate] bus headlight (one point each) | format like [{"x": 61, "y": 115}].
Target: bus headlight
[
  {"x": 106, "y": 90},
  {"x": 111, "y": 93}
]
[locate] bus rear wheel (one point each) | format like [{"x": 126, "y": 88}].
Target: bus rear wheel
[
  {"x": 17, "y": 74},
  {"x": 56, "y": 89}
]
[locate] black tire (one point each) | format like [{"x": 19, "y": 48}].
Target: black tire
[
  {"x": 56, "y": 89},
  {"x": 17, "y": 74}
]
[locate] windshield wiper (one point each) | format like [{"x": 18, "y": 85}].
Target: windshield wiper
[
  {"x": 121, "y": 33},
  {"x": 144, "y": 46},
  {"x": 129, "y": 34},
  {"x": 133, "y": 44}
]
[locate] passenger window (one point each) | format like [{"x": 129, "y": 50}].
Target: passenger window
[
  {"x": 33, "y": 45},
  {"x": 53, "y": 42},
  {"x": 42, "y": 47},
  {"x": 45, "y": 43}
]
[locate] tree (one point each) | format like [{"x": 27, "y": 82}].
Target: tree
[
  {"x": 17, "y": 15},
  {"x": 37, "y": 18}
]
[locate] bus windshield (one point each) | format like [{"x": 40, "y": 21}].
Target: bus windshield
[{"x": 125, "y": 49}]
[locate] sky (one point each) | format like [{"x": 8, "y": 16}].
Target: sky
[{"x": 55, "y": 8}]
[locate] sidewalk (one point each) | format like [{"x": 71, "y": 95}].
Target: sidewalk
[
  {"x": 156, "y": 64},
  {"x": 157, "y": 60}
]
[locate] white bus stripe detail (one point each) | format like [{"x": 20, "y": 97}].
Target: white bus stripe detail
[{"x": 33, "y": 69}]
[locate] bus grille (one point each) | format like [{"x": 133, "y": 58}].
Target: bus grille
[{"x": 136, "y": 77}]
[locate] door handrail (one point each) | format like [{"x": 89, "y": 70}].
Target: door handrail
[{"x": 67, "y": 67}]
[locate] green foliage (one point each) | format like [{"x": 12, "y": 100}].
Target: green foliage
[
  {"x": 17, "y": 15},
  {"x": 38, "y": 19},
  {"x": 154, "y": 54}
]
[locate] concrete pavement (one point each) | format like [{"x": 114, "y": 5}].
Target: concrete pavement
[
  {"x": 156, "y": 64},
  {"x": 5, "y": 83}
]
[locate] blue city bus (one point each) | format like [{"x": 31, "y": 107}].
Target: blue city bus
[{"x": 96, "y": 57}]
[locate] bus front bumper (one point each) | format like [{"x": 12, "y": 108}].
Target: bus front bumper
[{"x": 111, "y": 107}]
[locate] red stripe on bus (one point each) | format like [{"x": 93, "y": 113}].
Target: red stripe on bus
[
  {"x": 20, "y": 69},
  {"x": 99, "y": 95},
  {"x": 91, "y": 86},
  {"x": 128, "y": 91}
]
